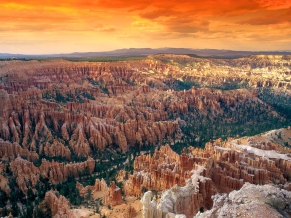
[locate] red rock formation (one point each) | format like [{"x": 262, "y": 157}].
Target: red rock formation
[
  {"x": 100, "y": 185},
  {"x": 162, "y": 171},
  {"x": 27, "y": 175},
  {"x": 35, "y": 112},
  {"x": 59, "y": 172},
  {"x": 56, "y": 149},
  {"x": 59, "y": 205},
  {"x": 63, "y": 109},
  {"x": 12, "y": 150},
  {"x": 111, "y": 195},
  {"x": 25, "y": 172},
  {"x": 82, "y": 190},
  {"x": 226, "y": 166}
]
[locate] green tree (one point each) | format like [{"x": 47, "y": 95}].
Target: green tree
[
  {"x": 4, "y": 211},
  {"x": 30, "y": 195},
  {"x": 15, "y": 209},
  {"x": 3, "y": 198}
]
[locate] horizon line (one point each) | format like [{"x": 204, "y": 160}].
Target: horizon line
[{"x": 197, "y": 49}]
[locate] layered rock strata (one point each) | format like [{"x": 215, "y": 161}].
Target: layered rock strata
[
  {"x": 189, "y": 180},
  {"x": 27, "y": 175}
]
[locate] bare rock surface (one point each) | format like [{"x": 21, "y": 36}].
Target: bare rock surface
[
  {"x": 251, "y": 200},
  {"x": 189, "y": 181}
]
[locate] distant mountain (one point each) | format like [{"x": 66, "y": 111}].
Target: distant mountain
[
  {"x": 7, "y": 55},
  {"x": 150, "y": 51}
]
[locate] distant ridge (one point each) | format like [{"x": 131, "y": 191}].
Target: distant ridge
[{"x": 150, "y": 51}]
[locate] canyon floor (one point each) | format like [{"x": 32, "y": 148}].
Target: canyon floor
[{"x": 162, "y": 136}]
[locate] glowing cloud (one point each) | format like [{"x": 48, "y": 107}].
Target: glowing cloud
[{"x": 86, "y": 25}]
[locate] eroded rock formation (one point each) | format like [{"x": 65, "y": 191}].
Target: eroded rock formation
[
  {"x": 111, "y": 195},
  {"x": 58, "y": 204},
  {"x": 189, "y": 180},
  {"x": 251, "y": 201},
  {"x": 64, "y": 111},
  {"x": 51, "y": 107},
  {"x": 27, "y": 175}
]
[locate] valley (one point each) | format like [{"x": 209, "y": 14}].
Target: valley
[{"x": 143, "y": 137}]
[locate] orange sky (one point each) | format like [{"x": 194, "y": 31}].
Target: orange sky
[{"x": 55, "y": 26}]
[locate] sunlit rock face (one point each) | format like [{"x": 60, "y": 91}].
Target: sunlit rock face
[
  {"x": 251, "y": 201},
  {"x": 223, "y": 166}
]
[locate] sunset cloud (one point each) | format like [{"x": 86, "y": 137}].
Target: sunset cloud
[
  {"x": 80, "y": 25},
  {"x": 271, "y": 17}
]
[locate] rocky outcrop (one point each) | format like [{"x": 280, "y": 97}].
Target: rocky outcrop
[
  {"x": 251, "y": 201},
  {"x": 118, "y": 125},
  {"x": 111, "y": 195},
  {"x": 34, "y": 91},
  {"x": 223, "y": 166},
  {"x": 59, "y": 172},
  {"x": 255, "y": 70},
  {"x": 4, "y": 184},
  {"x": 100, "y": 185},
  {"x": 58, "y": 204},
  {"x": 10, "y": 150},
  {"x": 5, "y": 109},
  {"x": 181, "y": 201},
  {"x": 83, "y": 190},
  {"x": 56, "y": 149},
  {"x": 160, "y": 172},
  {"x": 27, "y": 175}
]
